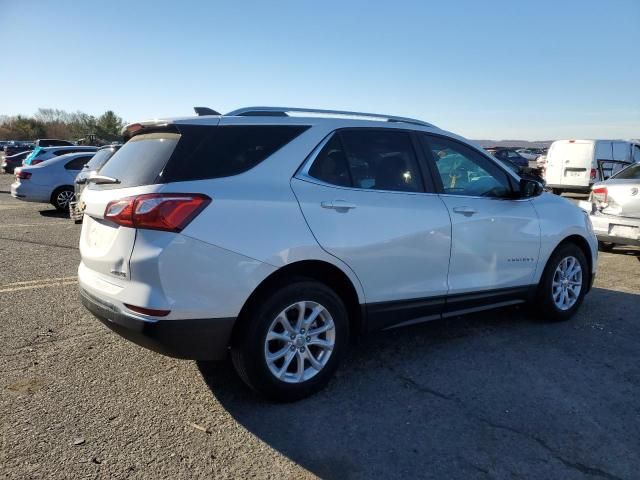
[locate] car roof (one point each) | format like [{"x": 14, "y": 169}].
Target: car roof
[
  {"x": 286, "y": 116},
  {"x": 64, "y": 147}
]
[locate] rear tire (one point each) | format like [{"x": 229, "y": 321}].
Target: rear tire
[
  {"x": 61, "y": 197},
  {"x": 278, "y": 338},
  {"x": 564, "y": 283}
]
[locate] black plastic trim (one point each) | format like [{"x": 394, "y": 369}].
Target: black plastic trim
[
  {"x": 195, "y": 339},
  {"x": 381, "y": 315}
]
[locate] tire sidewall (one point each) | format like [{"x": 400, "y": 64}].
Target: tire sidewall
[
  {"x": 255, "y": 365},
  {"x": 545, "y": 290}
]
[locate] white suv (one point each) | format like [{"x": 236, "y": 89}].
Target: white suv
[{"x": 281, "y": 233}]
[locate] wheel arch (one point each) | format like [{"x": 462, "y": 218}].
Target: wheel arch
[
  {"x": 583, "y": 245},
  {"x": 58, "y": 189},
  {"x": 319, "y": 270}
]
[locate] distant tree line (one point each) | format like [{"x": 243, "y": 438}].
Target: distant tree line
[{"x": 54, "y": 123}]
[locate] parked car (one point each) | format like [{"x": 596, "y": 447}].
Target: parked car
[
  {"x": 53, "y": 142},
  {"x": 614, "y": 207},
  {"x": 50, "y": 181},
  {"x": 575, "y": 165},
  {"x": 509, "y": 155},
  {"x": 41, "y": 154},
  {"x": 10, "y": 163},
  {"x": 92, "y": 168},
  {"x": 281, "y": 237},
  {"x": 15, "y": 148},
  {"x": 530, "y": 154}
]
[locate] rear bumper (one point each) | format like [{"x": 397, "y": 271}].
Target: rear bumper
[
  {"x": 196, "y": 339},
  {"x": 570, "y": 188},
  {"x": 608, "y": 229},
  {"x": 30, "y": 192}
]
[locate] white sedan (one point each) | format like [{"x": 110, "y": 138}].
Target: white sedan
[{"x": 50, "y": 181}]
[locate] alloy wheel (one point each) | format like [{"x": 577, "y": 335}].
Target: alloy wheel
[
  {"x": 63, "y": 198},
  {"x": 566, "y": 283},
  {"x": 299, "y": 342}
]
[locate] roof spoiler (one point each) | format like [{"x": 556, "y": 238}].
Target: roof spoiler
[{"x": 200, "y": 111}]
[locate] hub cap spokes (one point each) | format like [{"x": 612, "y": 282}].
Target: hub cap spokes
[
  {"x": 299, "y": 342},
  {"x": 567, "y": 283}
]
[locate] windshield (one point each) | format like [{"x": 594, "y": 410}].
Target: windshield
[
  {"x": 99, "y": 159},
  {"x": 630, "y": 173}
]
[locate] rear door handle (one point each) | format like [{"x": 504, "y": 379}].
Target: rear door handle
[
  {"x": 466, "y": 211},
  {"x": 337, "y": 205}
]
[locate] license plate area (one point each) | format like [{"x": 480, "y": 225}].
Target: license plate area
[{"x": 624, "y": 231}]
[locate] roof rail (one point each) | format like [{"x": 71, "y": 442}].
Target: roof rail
[{"x": 283, "y": 112}]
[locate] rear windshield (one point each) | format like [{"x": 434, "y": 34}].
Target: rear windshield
[
  {"x": 100, "y": 158},
  {"x": 629, "y": 173},
  {"x": 140, "y": 161},
  {"x": 196, "y": 153}
]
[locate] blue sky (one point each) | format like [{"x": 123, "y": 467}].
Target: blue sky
[{"x": 484, "y": 69}]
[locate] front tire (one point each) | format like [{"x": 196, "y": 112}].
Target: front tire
[
  {"x": 564, "y": 283},
  {"x": 293, "y": 341}
]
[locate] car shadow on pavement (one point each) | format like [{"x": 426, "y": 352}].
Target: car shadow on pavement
[
  {"x": 54, "y": 213},
  {"x": 497, "y": 394}
]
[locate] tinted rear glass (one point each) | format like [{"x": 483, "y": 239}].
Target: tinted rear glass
[
  {"x": 213, "y": 152},
  {"x": 196, "y": 153},
  {"x": 140, "y": 161}
]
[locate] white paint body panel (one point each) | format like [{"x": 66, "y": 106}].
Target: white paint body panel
[
  {"x": 397, "y": 243},
  {"x": 496, "y": 247},
  {"x": 392, "y": 246}
]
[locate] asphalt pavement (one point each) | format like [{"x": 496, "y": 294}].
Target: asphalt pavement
[{"x": 496, "y": 395}]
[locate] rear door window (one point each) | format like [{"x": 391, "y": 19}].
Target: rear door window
[
  {"x": 330, "y": 165},
  {"x": 77, "y": 163},
  {"x": 382, "y": 159}
]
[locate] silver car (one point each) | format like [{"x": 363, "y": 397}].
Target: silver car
[{"x": 615, "y": 209}]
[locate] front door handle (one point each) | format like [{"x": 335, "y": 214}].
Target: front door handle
[
  {"x": 466, "y": 211},
  {"x": 337, "y": 205}
]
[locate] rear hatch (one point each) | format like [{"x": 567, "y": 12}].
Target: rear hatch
[
  {"x": 105, "y": 246},
  {"x": 570, "y": 163}
]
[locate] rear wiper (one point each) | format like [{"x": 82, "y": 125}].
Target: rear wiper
[{"x": 102, "y": 180}]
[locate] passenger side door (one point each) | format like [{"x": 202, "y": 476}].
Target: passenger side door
[
  {"x": 495, "y": 237},
  {"x": 367, "y": 203}
]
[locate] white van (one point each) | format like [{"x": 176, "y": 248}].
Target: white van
[{"x": 574, "y": 165}]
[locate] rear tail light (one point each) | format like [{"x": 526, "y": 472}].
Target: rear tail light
[
  {"x": 35, "y": 162},
  {"x": 22, "y": 175},
  {"x": 170, "y": 212},
  {"x": 600, "y": 194},
  {"x": 593, "y": 174}
]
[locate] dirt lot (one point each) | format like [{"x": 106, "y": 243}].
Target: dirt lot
[{"x": 496, "y": 395}]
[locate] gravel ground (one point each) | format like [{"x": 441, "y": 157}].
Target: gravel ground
[{"x": 496, "y": 395}]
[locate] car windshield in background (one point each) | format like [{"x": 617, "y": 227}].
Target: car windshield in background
[
  {"x": 99, "y": 159},
  {"x": 630, "y": 173},
  {"x": 140, "y": 161}
]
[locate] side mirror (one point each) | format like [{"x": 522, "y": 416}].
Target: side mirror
[{"x": 530, "y": 188}]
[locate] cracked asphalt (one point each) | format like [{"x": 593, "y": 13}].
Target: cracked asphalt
[{"x": 496, "y": 395}]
